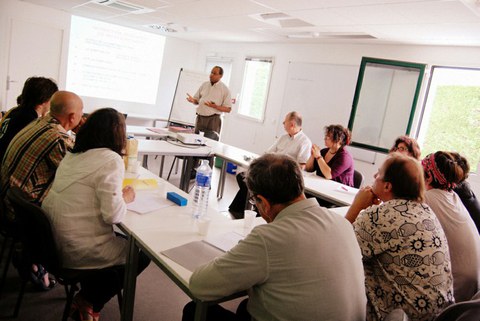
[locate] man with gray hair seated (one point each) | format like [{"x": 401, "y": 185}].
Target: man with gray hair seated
[
  {"x": 305, "y": 264},
  {"x": 293, "y": 143}
]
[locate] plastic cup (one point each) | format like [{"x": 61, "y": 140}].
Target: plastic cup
[
  {"x": 203, "y": 224},
  {"x": 133, "y": 165},
  {"x": 249, "y": 219}
]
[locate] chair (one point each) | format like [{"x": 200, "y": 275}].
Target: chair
[
  {"x": 397, "y": 315},
  {"x": 357, "y": 179},
  {"x": 7, "y": 230},
  {"x": 462, "y": 311},
  {"x": 39, "y": 247}
]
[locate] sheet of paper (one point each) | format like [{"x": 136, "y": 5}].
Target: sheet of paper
[
  {"x": 141, "y": 183},
  {"x": 226, "y": 241},
  {"x": 347, "y": 190},
  {"x": 146, "y": 202},
  {"x": 193, "y": 254}
]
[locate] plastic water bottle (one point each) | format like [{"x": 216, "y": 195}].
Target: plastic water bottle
[{"x": 202, "y": 189}]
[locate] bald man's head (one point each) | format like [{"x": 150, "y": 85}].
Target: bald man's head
[{"x": 67, "y": 108}]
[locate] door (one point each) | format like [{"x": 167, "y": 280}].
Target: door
[{"x": 35, "y": 50}]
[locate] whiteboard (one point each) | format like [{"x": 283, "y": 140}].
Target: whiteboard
[
  {"x": 183, "y": 112},
  {"x": 323, "y": 95}
]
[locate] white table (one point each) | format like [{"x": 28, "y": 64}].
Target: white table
[
  {"x": 230, "y": 154},
  {"x": 168, "y": 148},
  {"x": 161, "y": 230},
  {"x": 148, "y": 133},
  {"x": 331, "y": 191}
]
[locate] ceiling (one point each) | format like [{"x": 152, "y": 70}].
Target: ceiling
[{"x": 432, "y": 22}]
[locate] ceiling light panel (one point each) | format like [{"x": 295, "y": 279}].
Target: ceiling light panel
[{"x": 214, "y": 8}]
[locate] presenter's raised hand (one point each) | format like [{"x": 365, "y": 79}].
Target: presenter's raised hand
[
  {"x": 190, "y": 99},
  {"x": 211, "y": 104}
]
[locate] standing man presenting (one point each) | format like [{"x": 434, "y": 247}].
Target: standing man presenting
[{"x": 213, "y": 98}]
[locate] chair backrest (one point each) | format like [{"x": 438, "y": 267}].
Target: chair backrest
[
  {"x": 357, "y": 179},
  {"x": 462, "y": 311},
  {"x": 397, "y": 315},
  {"x": 35, "y": 231},
  {"x": 212, "y": 135}
]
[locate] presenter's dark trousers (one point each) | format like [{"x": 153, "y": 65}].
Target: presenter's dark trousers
[
  {"x": 218, "y": 313},
  {"x": 210, "y": 125}
]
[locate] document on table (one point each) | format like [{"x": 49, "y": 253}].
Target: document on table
[
  {"x": 347, "y": 190},
  {"x": 147, "y": 202},
  {"x": 197, "y": 253},
  {"x": 224, "y": 241}
]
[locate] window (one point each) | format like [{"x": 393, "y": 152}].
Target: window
[
  {"x": 384, "y": 104},
  {"x": 256, "y": 81},
  {"x": 451, "y": 115}
]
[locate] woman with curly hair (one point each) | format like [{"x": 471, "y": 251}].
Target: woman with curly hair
[{"x": 333, "y": 162}]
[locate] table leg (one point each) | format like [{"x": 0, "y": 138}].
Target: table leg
[
  {"x": 187, "y": 167},
  {"x": 221, "y": 180},
  {"x": 145, "y": 161},
  {"x": 161, "y": 166},
  {"x": 201, "y": 311},
  {"x": 130, "y": 280}
]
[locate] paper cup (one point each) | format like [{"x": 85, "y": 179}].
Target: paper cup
[
  {"x": 249, "y": 219},
  {"x": 203, "y": 224}
]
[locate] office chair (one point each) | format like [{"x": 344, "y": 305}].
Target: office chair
[
  {"x": 39, "y": 247},
  {"x": 462, "y": 311},
  {"x": 357, "y": 179},
  {"x": 10, "y": 239}
]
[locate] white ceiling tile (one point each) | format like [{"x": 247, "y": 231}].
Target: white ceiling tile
[{"x": 437, "y": 12}]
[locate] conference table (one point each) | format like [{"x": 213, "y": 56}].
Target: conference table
[
  {"x": 170, "y": 148},
  {"x": 163, "y": 229},
  {"x": 331, "y": 191},
  {"x": 148, "y": 132},
  {"x": 229, "y": 154}
]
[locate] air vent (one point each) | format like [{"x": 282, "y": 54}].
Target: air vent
[
  {"x": 123, "y": 6},
  {"x": 330, "y": 35},
  {"x": 163, "y": 28},
  {"x": 274, "y": 15},
  {"x": 293, "y": 23}
]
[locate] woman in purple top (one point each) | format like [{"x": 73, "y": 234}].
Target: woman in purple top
[{"x": 333, "y": 162}]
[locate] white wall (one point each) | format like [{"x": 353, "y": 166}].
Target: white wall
[
  {"x": 27, "y": 12},
  {"x": 258, "y": 136}
]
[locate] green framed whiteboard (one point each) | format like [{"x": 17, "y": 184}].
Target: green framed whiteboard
[{"x": 385, "y": 101}]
